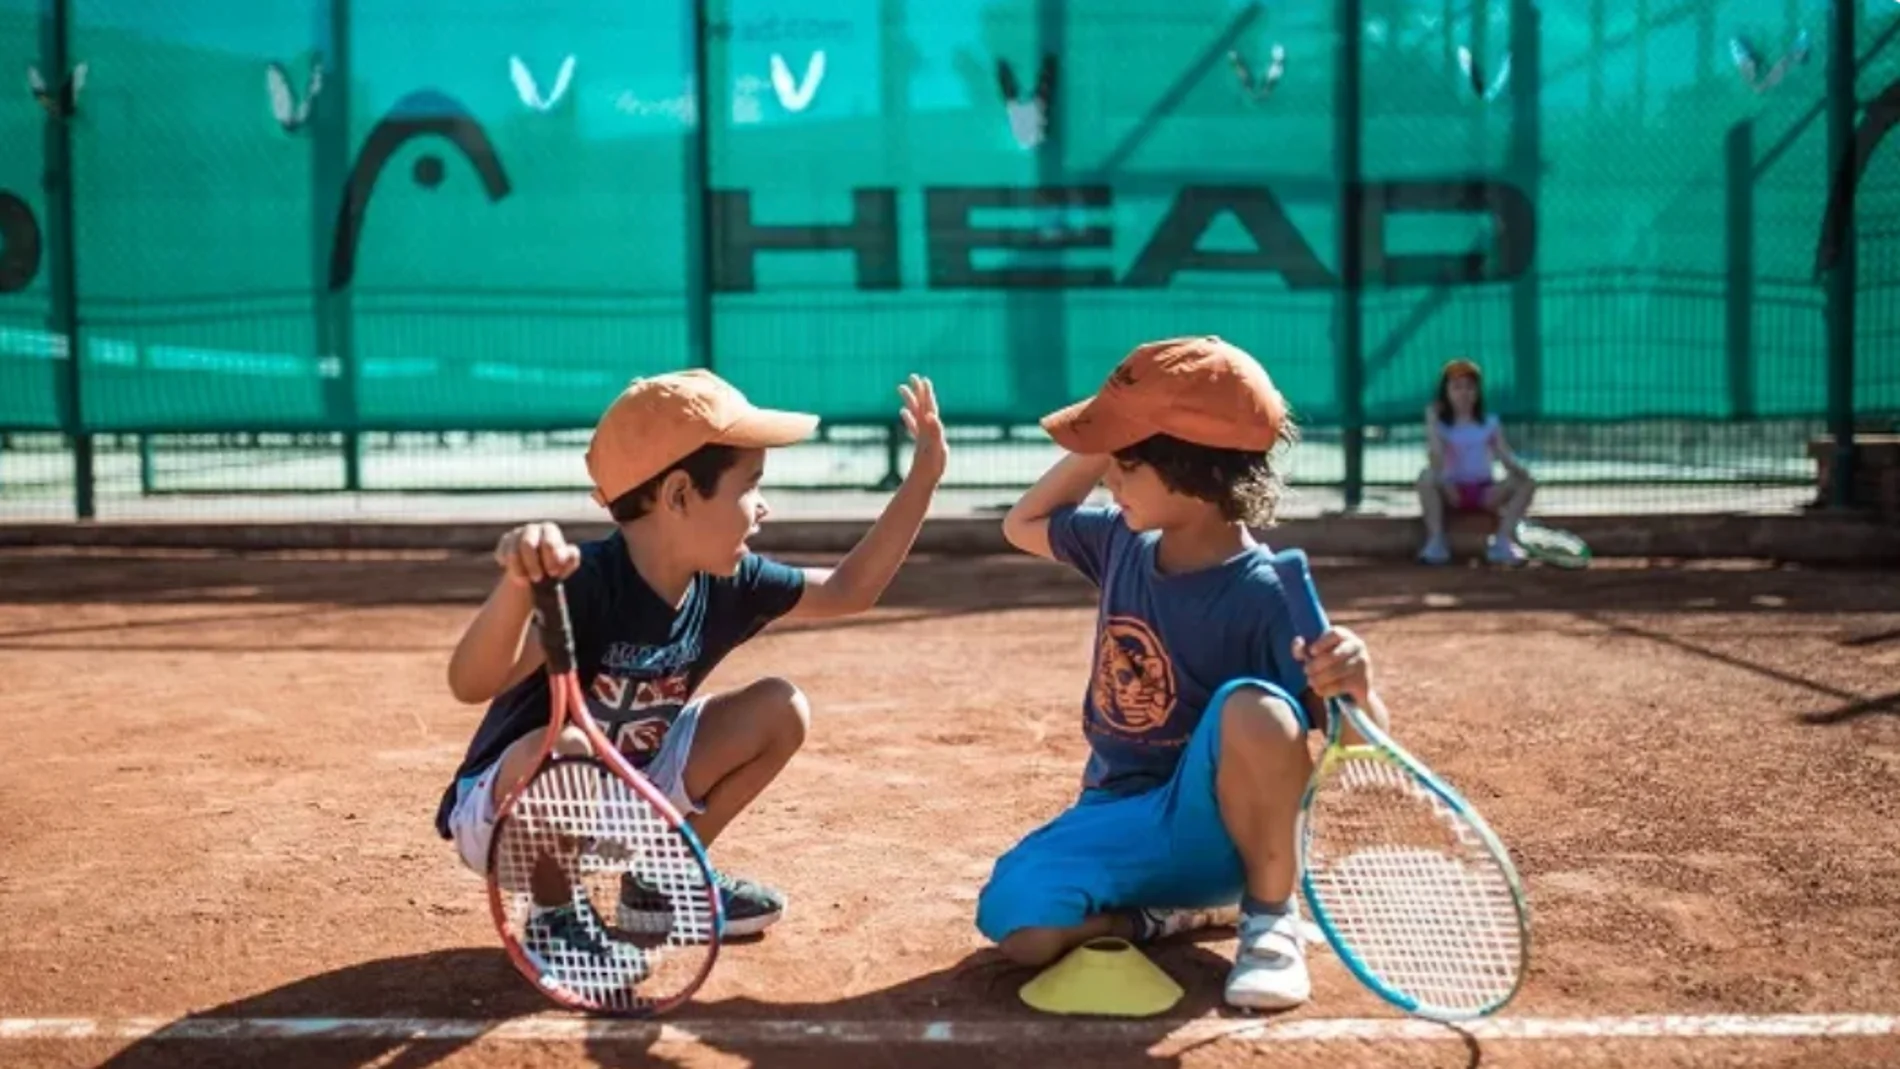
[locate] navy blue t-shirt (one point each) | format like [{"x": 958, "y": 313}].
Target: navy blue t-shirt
[
  {"x": 640, "y": 659},
  {"x": 1165, "y": 643}
]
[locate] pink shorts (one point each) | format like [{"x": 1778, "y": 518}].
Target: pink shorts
[{"x": 1471, "y": 497}]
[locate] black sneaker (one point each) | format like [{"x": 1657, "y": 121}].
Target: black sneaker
[
  {"x": 570, "y": 946},
  {"x": 750, "y": 907}
]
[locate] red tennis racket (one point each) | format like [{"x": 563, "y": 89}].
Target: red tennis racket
[{"x": 602, "y": 893}]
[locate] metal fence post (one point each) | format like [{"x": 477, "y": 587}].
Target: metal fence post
[
  {"x": 701, "y": 245},
  {"x": 1526, "y": 169},
  {"x": 329, "y": 172},
  {"x": 1841, "y": 281},
  {"x": 1348, "y": 304},
  {"x": 56, "y": 55},
  {"x": 1739, "y": 172}
]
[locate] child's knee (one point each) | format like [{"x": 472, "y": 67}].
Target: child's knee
[
  {"x": 1261, "y": 722},
  {"x": 783, "y": 709},
  {"x": 572, "y": 742},
  {"x": 1021, "y": 899},
  {"x": 1032, "y": 947}
]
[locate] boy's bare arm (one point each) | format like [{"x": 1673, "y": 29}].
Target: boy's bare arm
[
  {"x": 1067, "y": 483},
  {"x": 859, "y": 580},
  {"x": 494, "y": 652}
]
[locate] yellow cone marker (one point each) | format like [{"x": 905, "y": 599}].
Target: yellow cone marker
[{"x": 1103, "y": 978}]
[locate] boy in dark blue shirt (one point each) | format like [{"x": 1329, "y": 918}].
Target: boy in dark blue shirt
[
  {"x": 1199, "y": 697},
  {"x": 677, "y": 461}
]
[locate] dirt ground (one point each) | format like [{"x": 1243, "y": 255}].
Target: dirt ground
[{"x": 222, "y": 771}]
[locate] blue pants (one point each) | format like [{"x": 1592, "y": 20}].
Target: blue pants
[{"x": 1165, "y": 847}]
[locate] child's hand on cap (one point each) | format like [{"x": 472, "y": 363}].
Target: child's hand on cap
[{"x": 536, "y": 551}]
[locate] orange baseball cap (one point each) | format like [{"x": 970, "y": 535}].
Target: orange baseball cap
[
  {"x": 1460, "y": 366},
  {"x": 658, "y": 421},
  {"x": 1200, "y": 390}
]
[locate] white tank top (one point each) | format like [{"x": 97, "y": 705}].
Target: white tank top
[{"x": 1468, "y": 450}]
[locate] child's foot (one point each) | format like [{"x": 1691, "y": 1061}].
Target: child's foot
[
  {"x": 1270, "y": 965},
  {"x": 1504, "y": 551},
  {"x": 569, "y": 943},
  {"x": 1159, "y": 923},
  {"x": 1435, "y": 551},
  {"x": 750, "y": 907}
]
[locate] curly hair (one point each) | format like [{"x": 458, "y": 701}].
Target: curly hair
[{"x": 1241, "y": 482}]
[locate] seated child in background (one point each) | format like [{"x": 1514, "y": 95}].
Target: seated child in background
[
  {"x": 677, "y": 460},
  {"x": 1462, "y": 440},
  {"x": 1199, "y": 696}
]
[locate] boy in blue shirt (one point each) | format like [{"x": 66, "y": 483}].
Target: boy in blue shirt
[
  {"x": 1199, "y": 697},
  {"x": 677, "y": 460}
]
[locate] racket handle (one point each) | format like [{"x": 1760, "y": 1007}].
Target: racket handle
[
  {"x": 557, "y": 632},
  {"x": 1302, "y": 597}
]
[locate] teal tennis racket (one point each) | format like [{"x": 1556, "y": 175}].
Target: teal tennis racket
[{"x": 1413, "y": 891}]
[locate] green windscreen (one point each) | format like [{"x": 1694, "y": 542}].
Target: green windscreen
[{"x": 492, "y": 215}]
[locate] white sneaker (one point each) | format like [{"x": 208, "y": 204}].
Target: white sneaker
[
  {"x": 1504, "y": 551},
  {"x": 1270, "y": 965},
  {"x": 1160, "y": 923},
  {"x": 1435, "y": 551}
]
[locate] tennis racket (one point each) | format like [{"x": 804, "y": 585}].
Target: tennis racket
[
  {"x": 1413, "y": 891},
  {"x": 1552, "y": 546},
  {"x": 577, "y": 839}
]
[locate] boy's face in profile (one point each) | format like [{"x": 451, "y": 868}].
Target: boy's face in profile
[
  {"x": 712, "y": 531},
  {"x": 1146, "y": 502}
]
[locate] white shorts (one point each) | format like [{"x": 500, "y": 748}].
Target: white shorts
[{"x": 472, "y": 821}]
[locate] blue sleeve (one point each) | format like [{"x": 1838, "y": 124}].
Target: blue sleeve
[
  {"x": 1083, "y": 537},
  {"x": 767, "y": 591}
]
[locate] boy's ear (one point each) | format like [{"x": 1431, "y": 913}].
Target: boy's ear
[{"x": 673, "y": 491}]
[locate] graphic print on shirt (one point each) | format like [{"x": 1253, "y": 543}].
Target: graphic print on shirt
[
  {"x": 638, "y": 693},
  {"x": 1134, "y": 687}
]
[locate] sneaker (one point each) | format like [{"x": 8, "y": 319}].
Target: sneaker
[
  {"x": 570, "y": 946},
  {"x": 1270, "y": 965},
  {"x": 750, "y": 907},
  {"x": 1435, "y": 551},
  {"x": 1504, "y": 551},
  {"x": 1154, "y": 924}
]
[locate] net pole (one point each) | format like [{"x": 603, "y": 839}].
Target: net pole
[{"x": 1841, "y": 282}]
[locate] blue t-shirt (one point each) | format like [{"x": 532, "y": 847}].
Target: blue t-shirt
[
  {"x": 640, "y": 659},
  {"x": 1165, "y": 643}
]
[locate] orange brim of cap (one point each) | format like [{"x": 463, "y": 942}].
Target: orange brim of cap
[
  {"x": 1091, "y": 427},
  {"x": 767, "y": 428}
]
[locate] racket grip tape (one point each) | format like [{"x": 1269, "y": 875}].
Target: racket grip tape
[
  {"x": 557, "y": 631},
  {"x": 1302, "y": 597}
]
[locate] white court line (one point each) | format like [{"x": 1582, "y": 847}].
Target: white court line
[{"x": 952, "y": 1033}]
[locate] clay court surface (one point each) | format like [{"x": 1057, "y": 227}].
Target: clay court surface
[{"x": 221, "y": 774}]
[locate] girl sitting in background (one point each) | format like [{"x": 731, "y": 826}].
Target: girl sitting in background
[{"x": 1463, "y": 441}]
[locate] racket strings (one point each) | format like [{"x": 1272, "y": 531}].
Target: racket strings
[
  {"x": 1412, "y": 887},
  {"x": 607, "y": 900}
]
